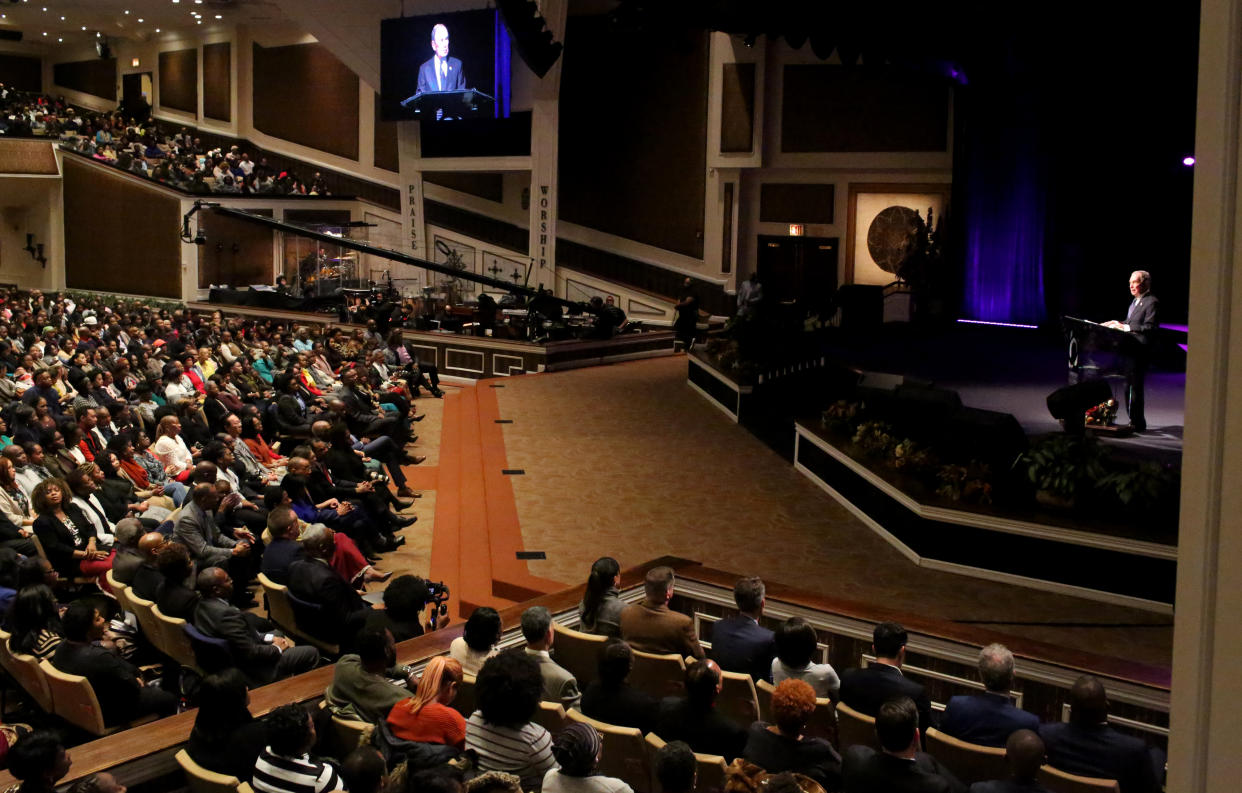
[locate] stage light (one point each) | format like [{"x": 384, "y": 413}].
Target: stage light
[
  {"x": 998, "y": 324},
  {"x": 1188, "y": 161}
]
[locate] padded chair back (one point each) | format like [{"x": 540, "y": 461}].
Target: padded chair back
[
  {"x": 1063, "y": 782},
  {"x": 711, "y": 768},
  {"x": 74, "y": 700},
  {"x": 464, "y": 702},
  {"x": 173, "y": 640},
  {"x": 855, "y": 728},
  {"x": 200, "y": 780},
  {"x": 120, "y": 590},
  {"x": 624, "y": 753},
  {"x": 551, "y": 716},
  {"x": 25, "y": 670},
  {"x": 764, "y": 690},
  {"x": 283, "y": 608},
  {"x": 348, "y": 735},
  {"x": 969, "y": 761},
  {"x": 737, "y": 699},
  {"x": 212, "y": 654},
  {"x": 823, "y": 721},
  {"x": 578, "y": 652},
  {"x": 658, "y": 675},
  {"x": 144, "y": 611}
]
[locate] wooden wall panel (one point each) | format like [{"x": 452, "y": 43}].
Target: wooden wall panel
[
  {"x": 634, "y": 134},
  {"x": 483, "y": 185},
  {"x": 237, "y": 253},
  {"x": 386, "y": 154},
  {"x": 178, "y": 76},
  {"x": 96, "y": 77},
  {"x": 218, "y": 81},
  {"x": 21, "y": 72},
  {"x": 304, "y": 95},
  {"x": 795, "y": 203},
  {"x": 842, "y": 108},
  {"x": 737, "y": 108},
  {"x": 120, "y": 235}
]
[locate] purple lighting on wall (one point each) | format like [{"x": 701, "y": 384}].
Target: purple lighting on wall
[
  {"x": 1188, "y": 161},
  {"x": 999, "y": 324}
]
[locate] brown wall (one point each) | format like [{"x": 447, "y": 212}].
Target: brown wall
[
  {"x": 737, "y": 107},
  {"x": 304, "y": 95},
  {"x": 237, "y": 253},
  {"x": 844, "y": 108},
  {"x": 120, "y": 235},
  {"x": 483, "y": 185},
  {"x": 633, "y": 133},
  {"x": 386, "y": 153},
  {"x": 20, "y": 72},
  {"x": 96, "y": 77},
  {"x": 217, "y": 81},
  {"x": 178, "y": 78}
]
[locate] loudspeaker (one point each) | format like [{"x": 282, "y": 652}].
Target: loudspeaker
[
  {"x": 1069, "y": 404},
  {"x": 987, "y": 436},
  {"x": 530, "y": 35}
]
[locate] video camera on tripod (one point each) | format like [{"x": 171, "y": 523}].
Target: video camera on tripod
[{"x": 439, "y": 593}]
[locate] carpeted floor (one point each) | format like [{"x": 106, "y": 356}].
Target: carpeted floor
[{"x": 628, "y": 461}]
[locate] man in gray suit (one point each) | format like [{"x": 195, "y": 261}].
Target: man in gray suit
[
  {"x": 196, "y": 529},
  {"x": 260, "y": 652},
  {"x": 558, "y": 684}
]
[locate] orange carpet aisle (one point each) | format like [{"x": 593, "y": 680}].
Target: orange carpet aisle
[{"x": 477, "y": 534}]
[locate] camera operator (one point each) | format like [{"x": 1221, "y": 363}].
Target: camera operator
[{"x": 404, "y": 601}]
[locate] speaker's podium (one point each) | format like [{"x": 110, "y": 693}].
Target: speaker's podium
[
  {"x": 466, "y": 103},
  {"x": 1095, "y": 354}
]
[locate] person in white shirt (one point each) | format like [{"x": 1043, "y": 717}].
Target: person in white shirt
[
  {"x": 82, "y": 484},
  {"x": 170, "y": 448},
  {"x": 30, "y": 468}
]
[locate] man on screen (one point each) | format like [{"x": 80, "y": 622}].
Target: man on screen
[{"x": 440, "y": 72}]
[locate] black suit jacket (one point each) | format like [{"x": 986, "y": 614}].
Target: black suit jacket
[
  {"x": 315, "y": 582},
  {"x": 1101, "y": 751},
  {"x": 867, "y": 688},
  {"x": 622, "y": 705},
  {"x": 739, "y": 644},
  {"x": 178, "y": 601},
  {"x": 221, "y": 620},
  {"x": 453, "y": 81},
  {"x": 114, "y": 679},
  {"x": 1143, "y": 318},
  {"x": 277, "y": 558},
  {"x": 864, "y": 770},
  {"x": 59, "y": 543},
  {"x": 707, "y": 733},
  {"x": 148, "y": 581},
  {"x": 290, "y": 416},
  {"x": 1007, "y": 786},
  {"x": 988, "y": 719}
]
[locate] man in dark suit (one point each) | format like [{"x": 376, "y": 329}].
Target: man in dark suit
[
  {"x": 1141, "y": 320},
  {"x": 121, "y": 694},
  {"x": 1024, "y": 754},
  {"x": 342, "y": 611},
  {"x": 988, "y": 718},
  {"x": 284, "y": 549},
  {"x": 261, "y": 654},
  {"x": 866, "y": 689},
  {"x": 147, "y": 579},
  {"x": 1086, "y": 745},
  {"x": 740, "y": 643},
  {"x": 694, "y": 719},
  {"x": 610, "y": 700},
  {"x": 440, "y": 72},
  {"x": 177, "y": 597},
  {"x": 651, "y": 627},
  {"x": 900, "y": 767},
  {"x": 196, "y": 529}
]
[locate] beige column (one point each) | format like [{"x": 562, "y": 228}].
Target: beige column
[
  {"x": 1206, "y": 722},
  {"x": 544, "y": 150},
  {"x": 413, "y": 216}
]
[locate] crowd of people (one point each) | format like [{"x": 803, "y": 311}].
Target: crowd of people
[
  {"x": 149, "y": 148},
  {"x": 181, "y": 456}
]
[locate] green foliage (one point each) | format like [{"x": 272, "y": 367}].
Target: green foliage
[
  {"x": 911, "y": 457},
  {"x": 1139, "y": 488},
  {"x": 875, "y": 438},
  {"x": 970, "y": 483},
  {"x": 840, "y": 416},
  {"x": 1065, "y": 465}
]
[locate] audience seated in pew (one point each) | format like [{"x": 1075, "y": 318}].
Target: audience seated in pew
[
  {"x": 478, "y": 640},
  {"x": 610, "y": 700},
  {"x": 600, "y": 609},
  {"x": 781, "y": 746},
  {"x": 285, "y": 765},
  {"x": 226, "y": 739},
  {"x": 39, "y": 761},
  {"x": 1024, "y": 754},
  {"x": 577, "y": 750},
  {"x": 362, "y": 687},
  {"x": 676, "y": 767},
  {"x": 899, "y": 767},
  {"x": 501, "y": 732},
  {"x": 867, "y": 688},
  {"x": 426, "y": 717},
  {"x": 650, "y": 626},
  {"x": 988, "y": 718},
  {"x": 558, "y": 684},
  {"x": 739, "y": 642},
  {"x": 693, "y": 718}
]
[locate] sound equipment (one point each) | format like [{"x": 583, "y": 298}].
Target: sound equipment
[
  {"x": 985, "y": 435},
  {"x": 1069, "y": 404}
]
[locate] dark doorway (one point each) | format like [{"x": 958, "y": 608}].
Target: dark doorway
[
  {"x": 798, "y": 269},
  {"x": 136, "y": 94}
]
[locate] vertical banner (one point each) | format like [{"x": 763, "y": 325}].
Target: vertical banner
[
  {"x": 413, "y": 216},
  {"x": 544, "y": 148}
]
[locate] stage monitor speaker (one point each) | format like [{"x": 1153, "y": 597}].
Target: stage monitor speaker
[
  {"x": 987, "y": 436},
  {"x": 1069, "y": 404}
]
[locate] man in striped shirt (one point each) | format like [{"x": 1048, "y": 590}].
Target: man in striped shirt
[{"x": 285, "y": 765}]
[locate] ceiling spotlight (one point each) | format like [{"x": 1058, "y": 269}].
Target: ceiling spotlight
[
  {"x": 84, "y": 27},
  {"x": 198, "y": 21},
  {"x": 218, "y": 16},
  {"x": 1188, "y": 161},
  {"x": 61, "y": 40},
  {"x": 45, "y": 32},
  {"x": 157, "y": 30},
  {"x": 62, "y": 19},
  {"x": 139, "y": 19},
  {"x": 127, "y": 10}
]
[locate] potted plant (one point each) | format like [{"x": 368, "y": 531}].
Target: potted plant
[{"x": 1061, "y": 467}]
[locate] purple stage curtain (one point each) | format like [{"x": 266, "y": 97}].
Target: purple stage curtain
[
  {"x": 1004, "y": 215},
  {"x": 503, "y": 76}
]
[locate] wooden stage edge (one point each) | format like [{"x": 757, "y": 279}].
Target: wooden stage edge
[{"x": 480, "y": 357}]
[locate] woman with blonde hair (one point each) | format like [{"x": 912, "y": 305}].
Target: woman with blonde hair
[{"x": 426, "y": 717}]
